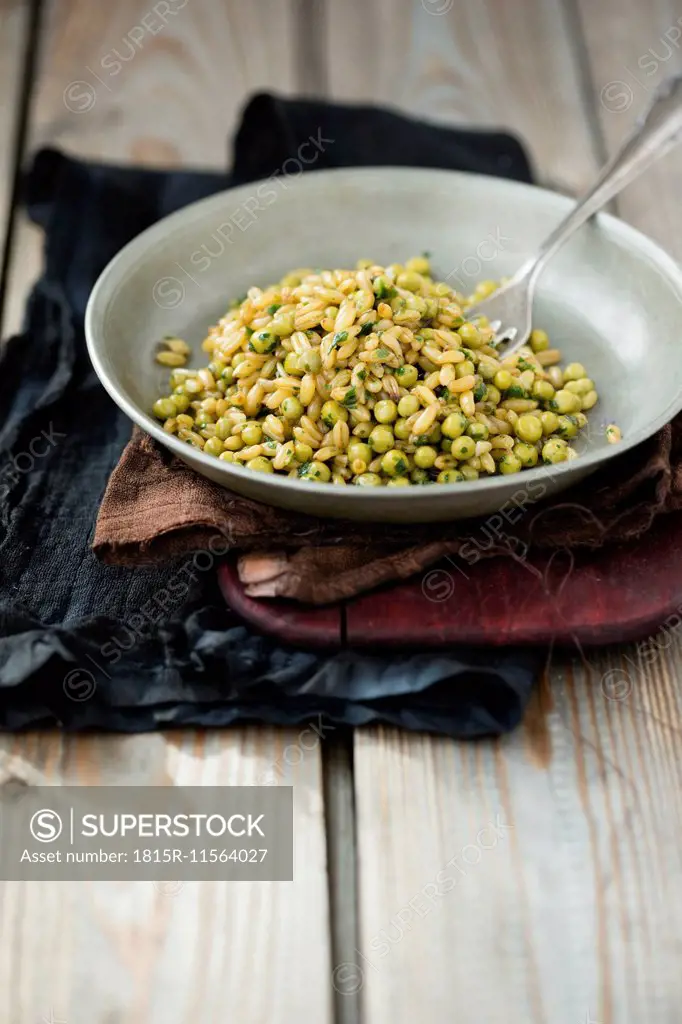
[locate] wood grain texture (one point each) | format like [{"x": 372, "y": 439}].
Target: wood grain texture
[
  {"x": 571, "y": 916},
  {"x": 111, "y": 952},
  {"x": 564, "y": 917},
  {"x": 203, "y": 951},
  {"x": 14, "y": 24},
  {"x": 631, "y": 47},
  {"x": 489, "y": 64},
  {"x": 151, "y": 83}
]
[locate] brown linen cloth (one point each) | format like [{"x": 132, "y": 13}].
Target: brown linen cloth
[{"x": 156, "y": 509}]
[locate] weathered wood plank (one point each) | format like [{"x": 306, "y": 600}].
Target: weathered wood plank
[
  {"x": 489, "y": 64},
  {"x": 158, "y": 84},
  {"x": 568, "y": 915},
  {"x": 528, "y": 877},
  {"x": 171, "y": 953},
  {"x": 129, "y": 952}
]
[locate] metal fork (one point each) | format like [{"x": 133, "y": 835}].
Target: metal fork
[{"x": 655, "y": 133}]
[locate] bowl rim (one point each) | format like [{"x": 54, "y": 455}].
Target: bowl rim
[{"x": 125, "y": 261}]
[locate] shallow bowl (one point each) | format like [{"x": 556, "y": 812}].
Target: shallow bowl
[{"x": 610, "y": 299}]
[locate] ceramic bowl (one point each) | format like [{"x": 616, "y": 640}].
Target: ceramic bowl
[{"x": 610, "y": 299}]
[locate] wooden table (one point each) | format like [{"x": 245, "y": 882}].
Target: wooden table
[{"x": 560, "y": 842}]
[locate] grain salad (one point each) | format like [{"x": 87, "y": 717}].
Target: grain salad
[{"x": 372, "y": 377}]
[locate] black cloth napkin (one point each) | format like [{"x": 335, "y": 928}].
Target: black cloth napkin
[{"x": 78, "y": 644}]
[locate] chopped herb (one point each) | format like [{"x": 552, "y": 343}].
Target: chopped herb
[
  {"x": 383, "y": 353},
  {"x": 365, "y": 329},
  {"x": 427, "y": 255},
  {"x": 523, "y": 364},
  {"x": 339, "y": 338},
  {"x": 304, "y": 468},
  {"x": 443, "y": 392},
  {"x": 401, "y": 466},
  {"x": 350, "y": 399},
  {"x": 384, "y": 291},
  {"x": 274, "y": 307},
  {"x": 468, "y": 353},
  {"x": 516, "y": 391},
  {"x": 361, "y": 374},
  {"x": 249, "y": 331},
  {"x": 480, "y": 391}
]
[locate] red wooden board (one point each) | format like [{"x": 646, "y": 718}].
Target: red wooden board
[{"x": 619, "y": 593}]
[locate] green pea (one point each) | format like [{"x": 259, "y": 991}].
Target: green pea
[
  {"x": 469, "y": 335},
  {"x": 311, "y": 360},
  {"x": 315, "y": 471},
  {"x": 262, "y": 342},
  {"x": 164, "y": 408},
  {"x": 487, "y": 370},
  {"x": 494, "y": 397},
  {"x": 463, "y": 448},
  {"x": 181, "y": 402},
  {"x": 542, "y": 390},
  {"x": 292, "y": 365},
  {"x": 575, "y": 371},
  {"x": 503, "y": 380},
  {"x": 368, "y": 480},
  {"x": 226, "y": 456},
  {"x": 469, "y": 473},
  {"x": 567, "y": 426},
  {"x": 539, "y": 341},
  {"x": 410, "y": 280},
  {"x": 420, "y": 477},
  {"x": 332, "y": 412},
  {"x": 549, "y": 421},
  {"x": 446, "y": 445},
  {"x": 303, "y": 452},
  {"x": 381, "y": 439},
  {"x": 565, "y": 402},
  {"x": 450, "y": 476},
  {"x": 394, "y": 463},
  {"x": 527, "y": 454},
  {"x": 359, "y": 450},
  {"x": 401, "y": 430},
  {"x": 407, "y": 375},
  {"x": 420, "y": 264},
  {"x": 454, "y": 425},
  {"x": 465, "y": 369},
  {"x": 554, "y": 450},
  {"x": 385, "y": 411},
  {"x": 579, "y": 387},
  {"x": 408, "y": 405},
  {"x": 528, "y": 428},
  {"x": 425, "y": 457},
  {"x": 291, "y": 408},
  {"x": 223, "y": 428},
  {"x": 509, "y": 463},
  {"x": 399, "y": 481},
  {"x": 214, "y": 446},
  {"x": 260, "y": 464},
  {"x": 477, "y": 431},
  {"x": 434, "y": 435},
  {"x": 251, "y": 433}
]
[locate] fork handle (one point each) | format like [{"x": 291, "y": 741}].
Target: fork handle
[{"x": 654, "y": 134}]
